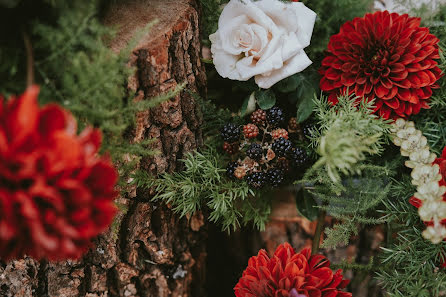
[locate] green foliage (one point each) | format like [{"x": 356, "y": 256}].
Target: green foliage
[
  {"x": 410, "y": 263},
  {"x": 204, "y": 182},
  {"x": 75, "y": 68},
  {"x": 353, "y": 202},
  {"x": 265, "y": 98},
  {"x": 348, "y": 132},
  {"x": 211, "y": 10},
  {"x": 300, "y": 90}
]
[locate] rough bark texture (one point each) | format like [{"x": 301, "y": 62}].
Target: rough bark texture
[{"x": 149, "y": 251}]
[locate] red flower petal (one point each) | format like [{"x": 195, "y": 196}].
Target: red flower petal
[
  {"x": 60, "y": 193},
  {"x": 289, "y": 271},
  {"x": 387, "y": 55}
]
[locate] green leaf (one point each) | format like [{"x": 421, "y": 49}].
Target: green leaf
[
  {"x": 305, "y": 93},
  {"x": 265, "y": 98},
  {"x": 249, "y": 105},
  {"x": 306, "y": 205},
  {"x": 305, "y": 108},
  {"x": 288, "y": 84}
]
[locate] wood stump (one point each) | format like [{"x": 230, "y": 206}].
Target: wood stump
[{"x": 149, "y": 251}]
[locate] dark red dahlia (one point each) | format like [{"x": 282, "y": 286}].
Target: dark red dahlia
[
  {"x": 386, "y": 56},
  {"x": 56, "y": 193},
  {"x": 441, "y": 161},
  {"x": 290, "y": 274}
]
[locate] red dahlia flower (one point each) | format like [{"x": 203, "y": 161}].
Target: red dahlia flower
[
  {"x": 441, "y": 161},
  {"x": 384, "y": 56},
  {"x": 56, "y": 194},
  {"x": 290, "y": 274}
]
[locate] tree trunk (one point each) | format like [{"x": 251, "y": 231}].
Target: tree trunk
[{"x": 149, "y": 251}]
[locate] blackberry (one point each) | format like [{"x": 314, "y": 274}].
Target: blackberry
[
  {"x": 274, "y": 116},
  {"x": 230, "y": 169},
  {"x": 275, "y": 176},
  {"x": 282, "y": 147},
  {"x": 306, "y": 130},
  {"x": 230, "y": 133},
  {"x": 258, "y": 117},
  {"x": 255, "y": 151},
  {"x": 256, "y": 179},
  {"x": 231, "y": 148},
  {"x": 299, "y": 157},
  {"x": 283, "y": 164}
]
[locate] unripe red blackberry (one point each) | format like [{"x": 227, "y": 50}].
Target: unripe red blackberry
[
  {"x": 231, "y": 148},
  {"x": 279, "y": 133},
  {"x": 250, "y": 131},
  {"x": 258, "y": 117},
  {"x": 293, "y": 125}
]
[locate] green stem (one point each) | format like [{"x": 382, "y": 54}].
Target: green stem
[{"x": 319, "y": 230}]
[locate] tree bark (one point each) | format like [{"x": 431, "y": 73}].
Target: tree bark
[{"x": 148, "y": 251}]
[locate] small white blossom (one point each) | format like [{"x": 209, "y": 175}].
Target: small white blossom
[
  {"x": 435, "y": 234},
  {"x": 430, "y": 191},
  {"x": 425, "y": 175},
  {"x": 432, "y": 210}
]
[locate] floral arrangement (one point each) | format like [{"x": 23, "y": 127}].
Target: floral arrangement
[
  {"x": 324, "y": 121},
  {"x": 328, "y": 100}
]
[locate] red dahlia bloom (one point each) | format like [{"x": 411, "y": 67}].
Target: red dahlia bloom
[
  {"x": 56, "y": 194},
  {"x": 441, "y": 161},
  {"x": 290, "y": 274},
  {"x": 384, "y": 56}
]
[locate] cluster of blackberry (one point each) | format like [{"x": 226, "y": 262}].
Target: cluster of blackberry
[{"x": 266, "y": 154}]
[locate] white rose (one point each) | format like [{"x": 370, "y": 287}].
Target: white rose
[{"x": 264, "y": 39}]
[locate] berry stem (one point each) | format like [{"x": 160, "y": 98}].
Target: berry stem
[{"x": 319, "y": 230}]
